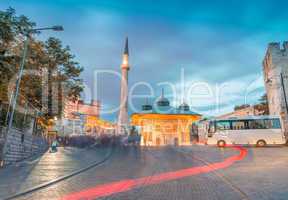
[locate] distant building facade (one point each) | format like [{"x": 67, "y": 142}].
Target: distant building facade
[
  {"x": 247, "y": 111},
  {"x": 275, "y": 68},
  {"x": 73, "y": 109},
  {"x": 83, "y": 118},
  {"x": 162, "y": 124},
  {"x": 96, "y": 126},
  {"x": 74, "y": 116}
]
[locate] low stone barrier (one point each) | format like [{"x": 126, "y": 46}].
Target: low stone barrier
[{"x": 21, "y": 146}]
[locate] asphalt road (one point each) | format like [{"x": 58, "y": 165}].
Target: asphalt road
[{"x": 151, "y": 173}]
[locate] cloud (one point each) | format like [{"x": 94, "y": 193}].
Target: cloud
[
  {"x": 213, "y": 98},
  {"x": 215, "y": 43}
]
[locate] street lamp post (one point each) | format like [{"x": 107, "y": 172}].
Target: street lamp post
[{"x": 21, "y": 70}]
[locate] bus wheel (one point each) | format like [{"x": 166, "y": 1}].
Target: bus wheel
[
  {"x": 261, "y": 143},
  {"x": 221, "y": 143}
]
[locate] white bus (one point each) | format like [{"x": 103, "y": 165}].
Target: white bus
[{"x": 250, "y": 130}]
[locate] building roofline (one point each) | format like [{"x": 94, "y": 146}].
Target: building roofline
[{"x": 196, "y": 114}]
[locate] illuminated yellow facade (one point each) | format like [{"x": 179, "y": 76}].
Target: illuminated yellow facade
[
  {"x": 164, "y": 125},
  {"x": 99, "y": 126},
  {"x": 164, "y": 129}
]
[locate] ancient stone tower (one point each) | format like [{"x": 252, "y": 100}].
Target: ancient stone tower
[
  {"x": 275, "y": 67},
  {"x": 123, "y": 120}
]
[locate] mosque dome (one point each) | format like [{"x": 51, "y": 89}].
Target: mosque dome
[
  {"x": 162, "y": 101},
  {"x": 146, "y": 107},
  {"x": 184, "y": 107}
]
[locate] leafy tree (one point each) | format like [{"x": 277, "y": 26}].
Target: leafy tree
[
  {"x": 263, "y": 99},
  {"x": 12, "y": 30},
  {"x": 61, "y": 62},
  {"x": 262, "y": 106},
  {"x": 241, "y": 107},
  {"x": 49, "y": 56}
]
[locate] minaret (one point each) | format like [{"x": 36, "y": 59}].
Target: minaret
[{"x": 123, "y": 120}]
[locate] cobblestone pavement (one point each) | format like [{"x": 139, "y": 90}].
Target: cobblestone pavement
[
  {"x": 50, "y": 166},
  {"x": 261, "y": 175}
]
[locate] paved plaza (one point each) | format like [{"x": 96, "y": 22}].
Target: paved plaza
[
  {"x": 262, "y": 174},
  {"x": 50, "y": 166}
]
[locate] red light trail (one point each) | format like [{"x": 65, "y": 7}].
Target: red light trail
[{"x": 129, "y": 184}]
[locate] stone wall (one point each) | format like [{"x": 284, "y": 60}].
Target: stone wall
[
  {"x": 274, "y": 64},
  {"x": 21, "y": 146}
]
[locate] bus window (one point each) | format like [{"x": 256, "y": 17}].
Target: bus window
[
  {"x": 272, "y": 123},
  {"x": 238, "y": 125},
  {"x": 264, "y": 124},
  {"x": 268, "y": 123},
  {"x": 223, "y": 125},
  {"x": 256, "y": 124}
]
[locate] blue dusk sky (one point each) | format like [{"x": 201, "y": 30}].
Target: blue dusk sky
[{"x": 217, "y": 45}]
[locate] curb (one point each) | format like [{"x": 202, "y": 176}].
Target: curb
[{"x": 62, "y": 178}]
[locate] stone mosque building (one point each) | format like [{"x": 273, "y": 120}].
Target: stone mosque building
[
  {"x": 158, "y": 125},
  {"x": 163, "y": 124}
]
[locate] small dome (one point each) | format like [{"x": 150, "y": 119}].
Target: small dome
[
  {"x": 162, "y": 101},
  {"x": 146, "y": 107},
  {"x": 184, "y": 107}
]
